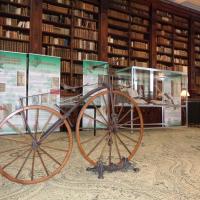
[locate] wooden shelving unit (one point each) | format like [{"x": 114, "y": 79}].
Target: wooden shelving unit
[
  {"x": 118, "y": 33},
  {"x": 151, "y": 33},
  {"x": 139, "y": 34},
  {"x": 14, "y": 25}
]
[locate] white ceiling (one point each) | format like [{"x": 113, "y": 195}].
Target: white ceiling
[{"x": 194, "y": 4}]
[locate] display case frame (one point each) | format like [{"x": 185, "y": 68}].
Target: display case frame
[{"x": 163, "y": 94}]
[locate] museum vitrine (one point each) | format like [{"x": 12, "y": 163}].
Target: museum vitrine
[{"x": 161, "y": 94}]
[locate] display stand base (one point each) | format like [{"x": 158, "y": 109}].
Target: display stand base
[{"x": 124, "y": 165}]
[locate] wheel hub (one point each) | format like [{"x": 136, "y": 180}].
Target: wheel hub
[{"x": 35, "y": 145}]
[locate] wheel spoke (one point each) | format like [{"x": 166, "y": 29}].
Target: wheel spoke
[
  {"x": 101, "y": 154},
  {"x": 117, "y": 147},
  {"x": 14, "y": 128},
  {"x": 12, "y": 139},
  {"x": 36, "y": 124},
  {"x": 54, "y": 148},
  {"x": 98, "y": 143},
  {"x": 50, "y": 156},
  {"x": 110, "y": 149},
  {"x": 95, "y": 119},
  {"x": 91, "y": 139},
  {"x": 120, "y": 111},
  {"x": 23, "y": 163},
  {"x": 33, "y": 164},
  {"x": 124, "y": 116},
  {"x": 127, "y": 123},
  {"x": 100, "y": 112},
  {"x": 14, "y": 149},
  {"x": 53, "y": 140},
  {"x": 12, "y": 161},
  {"x": 46, "y": 124},
  {"x": 135, "y": 141},
  {"x": 123, "y": 143},
  {"x": 45, "y": 169}
]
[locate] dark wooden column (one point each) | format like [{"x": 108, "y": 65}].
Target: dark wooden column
[
  {"x": 36, "y": 26},
  {"x": 153, "y": 35},
  {"x": 103, "y": 31},
  {"x": 191, "y": 68}
]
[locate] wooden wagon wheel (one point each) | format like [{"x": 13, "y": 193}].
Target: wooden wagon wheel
[
  {"x": 119, "y": 128},
  {"x": 25, "y": 160}
]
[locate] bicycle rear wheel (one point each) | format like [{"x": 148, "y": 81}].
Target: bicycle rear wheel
[
  {"x": 25, "y": 157},
  {"x": 119, "y": 128}
]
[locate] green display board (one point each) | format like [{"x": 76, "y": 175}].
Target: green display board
[
  {"x": 12, "y": 83},
  {"x": 43, "y": 78},
  {"x": 43, "y": 85},
  {"x": 94, "y": 74}
]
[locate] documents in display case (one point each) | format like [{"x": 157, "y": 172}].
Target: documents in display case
[{"x": 161, "y": 94}]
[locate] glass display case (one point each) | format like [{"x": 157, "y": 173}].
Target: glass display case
[{"x": 161, "y": 94}]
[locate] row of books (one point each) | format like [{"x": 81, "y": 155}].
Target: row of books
[
  {"x": 118, "y": 61},
  {"x": 14, "y": 22},
  {"x": 164, "y": 58},
  {"x": 180, "y": 61},
  {"x": 86, "y": 34},
  {"x": 163, "y": 13},
  {"x": 118, "y": 23},
  {"x": 197, "y": 63},
  {"x": 14, "y": 46},
  {"x": 117, "y": 41},
  {"x": 180, "y": 45},
  {"x": 136, "y": 62},
  {"x": 114, "y": 50},
  {"x": 55, "y": 29},
  {"x": 84, "y": 23},
  {"x": 65, "y": 42},
  {"x": 137, "y": 36},
  {"x": 197, "y": 80},
  {"x": 77, "y": 55},
  {"x": 85, "y": 44},
  {"x": 119, "y": 6},
  {"x": 139, "y": 54},
  {"x": 66, "y": 2},
  {"x": 56, "y": 51},
  {"x": 180, "y": 68},
  {"x": 62, "y": 19},
  {"x": 139, "y": 20},
  {"x": 19, "y": 1},
  {"x": 7, "y": 8},
  {"x": 139, "y": 45},
  {"x": 77, "y": 69},
  {"x": 197, "y": 48},
  {"x": 183, "y": 32},
  {"x": 139, "y": 12},
  {"x": 163, "y": 41},
  {"x": 180, "y": 53},
  {"x": 117, "y": 32},
  {"x": 197, "y": 56},
  {"x": 139, "y": 28},
  {"x": 83, "y": 14},
  {"x": 55, "y": 8},
  {"x": 65, "y": 66},
  {"x": 183, "y": 39},
  {"x": 139, "y": 6},
  {"x": 163, "y": 27},
  {"x": 13, "y": 34},
  {"x": 118, "y": 15},
  {"x": 161, "y": 49},
  {"x": 86, "y": 6}
]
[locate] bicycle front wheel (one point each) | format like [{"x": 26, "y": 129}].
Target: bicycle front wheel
[
  {"x": 109, "y": 128},
  {"x": 26, "y": 156}
]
